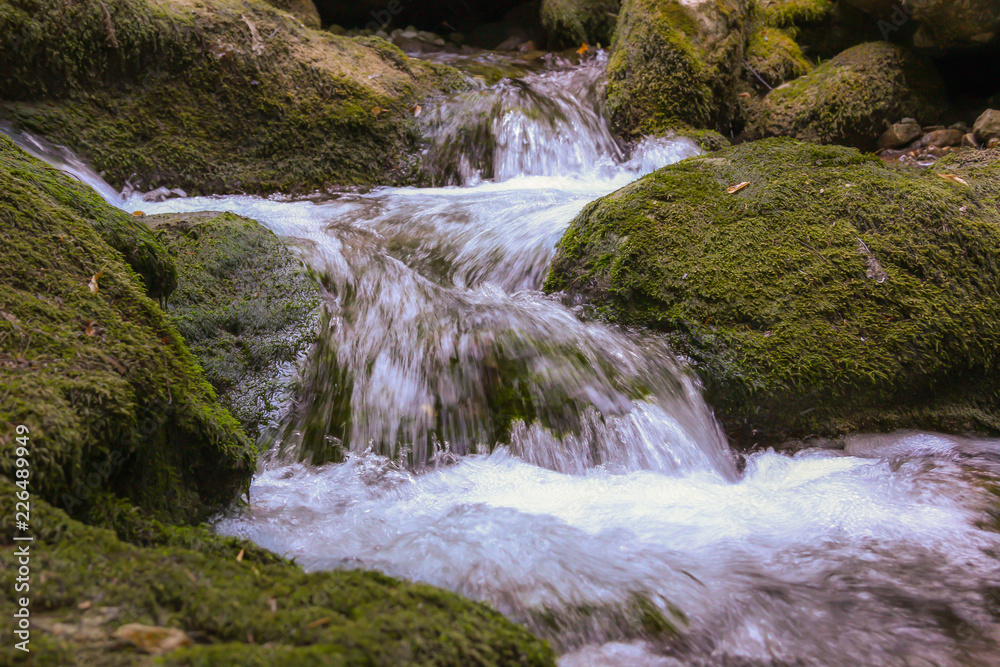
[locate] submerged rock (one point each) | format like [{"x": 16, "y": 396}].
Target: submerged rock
[
  {"x": 571, "y": 23},
  {"x": 244, "y": 305},
  {"x": 214, "y": 96},
  {"x": 852, "y": 99},
  {"x": 676, "y": 63},
  {"x": 831, "y": 293},
  {"x": 114, "y": 401}
]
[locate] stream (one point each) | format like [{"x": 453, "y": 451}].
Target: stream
[{"x": 617, "y": 524}]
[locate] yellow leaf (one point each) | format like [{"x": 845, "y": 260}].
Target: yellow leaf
[
  {"x": 415, "y": 110},
  {"x": 733, "y": 189},
  {"x": 376, "y": 111},
  {"x": 319, "y": 622},
  {"x": 91, "y": 329},
  {"x": 954, "y": 178},
  {"x": 93, "y": 281},
  {"x": 239, "y": 556},
  {"x": 138, "y": 214},
  {"x": 583, "y": 49}
]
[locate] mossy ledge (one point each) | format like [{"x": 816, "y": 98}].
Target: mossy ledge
[
  {"x": 212, "y": 95},
  {"x": 245, "y": 305},
  {"x": 832, "y": 294}
]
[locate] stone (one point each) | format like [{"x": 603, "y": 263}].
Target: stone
[
  {"x": 900, "y": 134},
  {"x": 942, "y": 138},
  {"x": 969, "y": 141},
  {"x": 987, "y": 126}
]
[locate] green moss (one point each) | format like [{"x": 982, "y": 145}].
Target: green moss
[
  {"x": 303, "y": 10},
  {"x": 213, "y": 96},
  {"x": 851, "y": 99},
  {"x": 774, "y": 56},
  {"x": 668, "y": 68},
  {"x": 246, "y": 611},
  {"x": 112, "y": 397},
  {"x": 245, "y": 306},
  {"x": 570, "y": 23},
  {"x": 791, "y": 13},
  {"x": 832, "y": 294}
]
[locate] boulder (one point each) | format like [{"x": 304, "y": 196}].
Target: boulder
[
  {"x": 936, "y": 25},
  {"x": 245, "y": 305},
  {"x": 570, "y": 23},
  {"x": 212, "y": 96},
  {"x": 901, "y": 134},
  {"x": 113, "y": 399},
  {"x": 852, "y": 98},
  {"x": 987, "y": 126},
  {"x": 833, "y": 293},
  {"x": 774, "y": 57},
  {"x": 303, "y": 10},
  {"x": 943, "y": 138},
  {"x": 676, "y": 63}
]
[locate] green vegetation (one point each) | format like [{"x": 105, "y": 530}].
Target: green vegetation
[
  {"x": 775, "y": 57},
  {"x": 832, "y": 294},
  {"x": 244, "y": 305},
  {"x": 851, "y": 99},
  {"x": 211, "y": 95},
  {"x": 570, "y": 23}
]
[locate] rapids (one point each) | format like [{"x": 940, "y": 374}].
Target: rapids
[{"x": 617, "y": 523}]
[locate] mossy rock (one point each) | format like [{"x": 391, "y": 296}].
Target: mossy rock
[
  {"x": 212, "y": 96},
  {"x": 852, "y": 99},
  {"x": 775, "y": 57},
  {"x": 793, "y": 13},
  {"x": 239, "y": 604},
  {"x": 832, "y": 294},
  {"x": 303, "y": 10},
  {"x": 245, "y": 305},
  {"x": 676, "y": 63},
  {"x": 90, "y": 364},
  {"x": 570, "y": 23}
]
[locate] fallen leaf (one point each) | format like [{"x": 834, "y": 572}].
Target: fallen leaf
[
  {"x": 376, "y": 111},
  {"x": 93, "y": 281},
  {"x": 91, "y": 329},
  {"x": 319, "y": 622},
  {"x": 583, "y": 49},
  {"x": 239, "y": 556},
  {"x": 84, "y": 605},
  {"x": 273, "y": 604},
  {"x": 733, "y": 189},
  {"x": 415, "y": 110},
  {"x": 954, "y": 178},
  {"x": 191, "y": 576},
  {"x": 745, "y": 96},
  {"x": 139, "y": 214}
]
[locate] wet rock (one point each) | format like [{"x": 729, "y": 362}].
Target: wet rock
[
  {"x": 570, "y": 23},
  {"x": 676, "y": 63},
  {"x": 900, "y": 134},
  {"x": 798, "y": 297},
  {"x": 969, "y": 141},
  {"x": 849, "y": 100},
  {"x": 987, "y": 126},
  {"x": 257, "y": 103},
  {"x": 942, "y": 138},
  {"x": 303, "y": 10}
]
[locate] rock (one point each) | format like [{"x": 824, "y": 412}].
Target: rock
[
  {"x": 236, "y": 101},
  {"x": 822, "y": 28},
  {"x": 900, "y": 134},
  {"x": 959, "y": 126},
  {"x": 774, "y": 56},
  {"x": 850, "y": 99},
  {"x": 244, "y": 305},
  {"x": 303, "y": 10},
  {"x": 570, "y": 23},
  {"x": 969, "y": 141},
  {"x": 800, "y": 298},
  {"x": 116, "y": 403},
  {"x": 987, "y": 126},
  {"x": 457, "y": 38},
  {"x": 151, "y": 639},
  {"x": 943, "y": 138},
  {"x": 940, "y": 25},
  {"x": 675, "y": 63}
]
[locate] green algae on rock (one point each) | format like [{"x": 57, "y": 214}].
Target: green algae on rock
[
  {"x": 834, "y": 293},
  {"x": 775, "y": 57},
  {"x": 211, "y": 96},
  {"x": 570, "y": 23},
  {"x": 245, "y": 306},
  {"x": 676, "y": 63},
  {"x": 113, "y": 398},
  {"x": 851, "y": 99},
  {"x": 240, "y": 604}
]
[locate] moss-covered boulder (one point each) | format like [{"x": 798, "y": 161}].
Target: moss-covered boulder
[
  {"x": 773, "y": 57},
  {"x": 570, "y": 23},
  {"x": 245, "y": 306},
  {"x": 676, "y": 63},
  {"x": 851, "y": 99},
  {"x": 830, "y": 293},
  {"x": 238, "y": 604},
  {"x": 211, "y": 95},
  {"x": 303, "y": 10},
  {"x": 90, "y": 364},
  {"x": 936, "y": 25}
]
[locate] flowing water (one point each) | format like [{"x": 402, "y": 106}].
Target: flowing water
[{"x": 458, "y": 427}]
